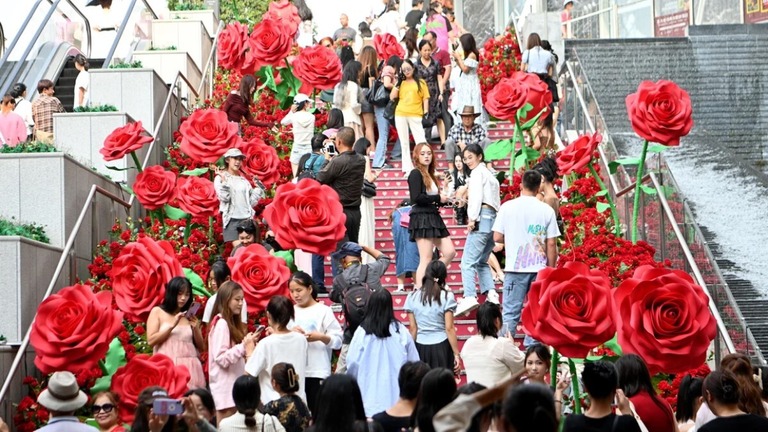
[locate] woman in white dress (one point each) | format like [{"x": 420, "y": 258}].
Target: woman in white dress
[
  {"x": 105, "y": 21},
  {"x": 347, "y": 95},
  {"x": 467, "y": 85},
  {"x": 390, "y": 21},
  {"x": 82, "y": 83},
  {"x": 367, "y": 235}
]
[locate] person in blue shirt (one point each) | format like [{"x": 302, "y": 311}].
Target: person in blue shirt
[{"x": 430, "y": 312}]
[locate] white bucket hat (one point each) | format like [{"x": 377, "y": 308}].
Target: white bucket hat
[
  {"x": 233, "y": 152},
  {"x": 63, "y": 394}
]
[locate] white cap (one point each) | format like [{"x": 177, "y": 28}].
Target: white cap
[
  {"x": 300, "y": 97},
  {"x": 233, "y": 152},
  {"x": 565, "y": 2}
]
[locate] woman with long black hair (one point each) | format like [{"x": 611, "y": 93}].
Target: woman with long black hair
[
  {"x": 347, "y": 96},
  {"x": 343, "y": 410},
  {"x": 468, "y": 85},
  {"x": 412, "y": 94},
  {"x": 635, "y": 381},
  {"x": 238, "y": 103}
]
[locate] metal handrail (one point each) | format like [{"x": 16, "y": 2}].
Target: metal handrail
[
  {"x": 589, "y": 15},
  {"x": 87, "y": 25},
  {"x": 722, "y": 330},
  {"x": 123, "y": 24},
  {"x": 59, "y": 267},
  {"x": 2, "y": 40},
  {"x": 209, "y": 62},
  {"x": 18, "y": 35}
]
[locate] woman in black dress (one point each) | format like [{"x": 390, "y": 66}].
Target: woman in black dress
[
  {"x": 429, "y": 71},
  {"x": 426, "y": 225}
]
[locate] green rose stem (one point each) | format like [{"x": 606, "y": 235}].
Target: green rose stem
[
  {"x": 188, "y": 229},
  {"x": 136, "y": 161},
  {"x": 553, "y": 369},
  {"x": 210, "y": 228},
  {"x": 638, "y": 183},
  {"x": 519, "y": 137},
  {"x": 575, "y": 384},
  {"x": 614, "y": 213}
]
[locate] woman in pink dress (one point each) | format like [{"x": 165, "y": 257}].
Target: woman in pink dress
[
  {"x": 12, "y": 127},
  {"x": 438, "y": 23},
  {"x": 176, "y": 334}
]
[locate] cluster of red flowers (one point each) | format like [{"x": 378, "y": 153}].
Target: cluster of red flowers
[{"x": 500, "y": 58}]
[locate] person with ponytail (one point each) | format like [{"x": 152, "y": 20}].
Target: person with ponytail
[
  {"x": 750, "y": 396},
  {"x": 289, "y": 408},
  {"x": 635, "y": 381},
  {"x": 247, "y": 395},
  {"x": 723, "y": 395},
  {"x": 689, "y": 400},
  {"x": 82, "y": 94},
  {"x": 316, "y": 321}
]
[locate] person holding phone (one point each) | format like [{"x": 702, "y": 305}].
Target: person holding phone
[
  {"x": 174, "y": 330},
  {"x": 303, "y": 123},
  {"x": 236, "y": 195},
  {"x": 413, "y": 96}
]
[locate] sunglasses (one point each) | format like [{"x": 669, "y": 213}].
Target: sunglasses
[
  {"x": 246, "y": 230},
  {"x": 107, "y": 408}
]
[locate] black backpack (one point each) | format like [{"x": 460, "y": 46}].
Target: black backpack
[
  {"x": 356, "y": 293},
  {"x": 311, "y": 168}
]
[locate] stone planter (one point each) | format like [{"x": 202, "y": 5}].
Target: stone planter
[
  {"x": 168, "y": 64},
  {"x": 207, "y": 17},
  {"x": 186, "y": 35}
]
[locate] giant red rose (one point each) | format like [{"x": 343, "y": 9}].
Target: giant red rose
[
  {"x": 508, "y": 96},
  {"x": 387, "y": 46},
  {"x": 286, "y": 13},
  {"x": 207, "y": 134},
  {"x": 578, "y": 154},
  {"x": 269, "y": 43},
  {"x": 124, "y": 140},
  {"x": 261, "y": 161},
  {"x": 73, "y": 329},
  {"x": 663, "y": 316},
  {"x": 306, "y": 216},
  {"x": 154, "y": 187},
  {"x": 197, "y": 196},
  {"x": 660, "y": 112},
  {"x": 144, "y": 371},
  {"x": 538, "y": 94},
  {"x": 317, "y": 67},
  {"x": 570, "y": 308},
  {"x": 232, "y": 48},
  {"x": 261, "y": 275},
  {"x": 139, "y": 275}
]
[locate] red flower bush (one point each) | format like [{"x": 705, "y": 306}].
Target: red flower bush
[
  {"x": 197, "y": 196},
  {"x": 143, "y": 371},
  {"x": 538, "y": 95},
  {"x": 317, "y": 67},
  {"x": 387, "y": 46},
  {"x": 207, "y": 134},
  {"x": 73, "y": 329},
  {"x": 261, "y": 275},
  {"x": 261, "y": 160},
  {"x": 124, "y": 140},
  {"x": 499, "y": 59},
  {"x": 660, "y": 112},
  {"x": 269, "y": 43},
  {"x": 578, "y": 154},
  {"x": 306, "y": 216},
  {"x": 663, "y": 316},
  {"x": 571, "y": 309},
  {"x": 139, "y": 275},
  {"x": 286, "y": 13},
  {"x": 155, "y": 187},
  {"x": 233, "y": 48},
  {"x": 508, "y": 96}
]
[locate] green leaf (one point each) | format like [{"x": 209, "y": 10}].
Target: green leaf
[
  {"x": 601, "y": 206},
  {"x": 613, "y": 345},
  {"x": 198, "y": 287},
  {"x": 602, "y": 193},
  {"x": 530, "y": 123},
  {"x": 498, "y": 150},
  {"x": 197, "y": 172},
  {"x": 613, "y": 166},
  {"x": 287, "y": 256},
  {"x": 523, "y": 111},
  {"x": 656, "y": 148},
  {"x": 174, "y": 213},
  {"x": 524, "y": 155},
  {"x": 114, "y": 359},
  {"x": 648, "y": 189},
  {"x": 114, "y": 168},
  {"x": 267, "y": 77}
]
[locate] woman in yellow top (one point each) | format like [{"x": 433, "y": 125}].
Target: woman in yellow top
[{"x": 411, "y": 109}]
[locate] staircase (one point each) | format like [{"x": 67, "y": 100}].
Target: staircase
[{"x": 65, "y": 85}]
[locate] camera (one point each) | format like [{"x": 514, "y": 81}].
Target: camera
[
  {"x": 166, "y": 406},
  {"x": 401, "y": 77},
  {"x": 330, "y": 148}
]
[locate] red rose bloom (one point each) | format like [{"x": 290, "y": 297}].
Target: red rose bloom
[
  {"x": 387, "y": 46},
  {"x": 286, "y": 13},
  {"x": 660, "y": 112},
  {"x": 261, "y": 275},
  {"x": 269, "y": 43},
  {"x": 207, "y": 134},
  {"x": 73, "y": 329},
  {"x": 570, "y": 308},
  {"x": 306, "y": 216},
  {"x": 663, "y": 316},
  {"x": 155, "y": 187},
  {"x": 317, "y": 67},
  {"x": 139, "y": 275},
  {"x": 233, "y": 48},
  {"x": 509, "y": 95},
  {"x": 124, "y": 140},
  {"x": 578, "y": 154},
  {"x": 261, "y": 160},
  {"x": 143, "y": 371},
  {"x": 197, "y": 196},
  {"x": 538, "y": 94}
]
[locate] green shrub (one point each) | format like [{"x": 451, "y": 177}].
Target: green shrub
[
  {"x": 188, "y": 5},
  {"x": 245, "y": 11},
  {"x": 96, "y": 108},
  {"x": 29, "y": 147},
  {"x": 121, "y": 64},
  {"x": 30, "y": 231}
]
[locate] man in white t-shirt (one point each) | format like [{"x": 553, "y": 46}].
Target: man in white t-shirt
[{"x": 527, "y": 229}]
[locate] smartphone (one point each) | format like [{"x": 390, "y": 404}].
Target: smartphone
[
  {"x": 258, "y": 183},
  {"x": 260, "y": 328},
  {"x": 166, "y": 406},
  {"x": 192, "y": 311},
  {"x": 330, "y": 148}
]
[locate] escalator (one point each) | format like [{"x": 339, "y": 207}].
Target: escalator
[{"x": 65, "y": 84}]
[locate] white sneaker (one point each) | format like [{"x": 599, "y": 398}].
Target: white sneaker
[
  {"x": 400, "y": 288},
  {"x": 492, "y": 296},
  {"x": 467, "y": 305}
]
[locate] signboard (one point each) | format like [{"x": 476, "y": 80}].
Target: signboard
[
  {"x": 755, "y": 11},
  {"x": 673, "y": 25}
]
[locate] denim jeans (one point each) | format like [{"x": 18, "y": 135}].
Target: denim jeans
[
  {"x": 477, "y": 249},
  {"x": 516, "y": 286},
  {"x": 382, "y": 125},
  {"x": 318, "y": 270}
]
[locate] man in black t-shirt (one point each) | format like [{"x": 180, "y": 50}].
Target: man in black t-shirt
[
  {"x": 600, "y": 381},
  {"x": 414, "y": 16}
]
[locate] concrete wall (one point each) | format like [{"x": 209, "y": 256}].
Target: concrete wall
[
  {"x": 186, "y": 35},
  {"x": 207, "y": 17}
]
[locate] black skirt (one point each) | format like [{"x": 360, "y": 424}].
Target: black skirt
[
  {"x": 436, "y": 356},
  {"x": 427, "y": 225}
]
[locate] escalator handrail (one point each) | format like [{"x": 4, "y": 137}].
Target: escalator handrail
[
  {"x": 120, "y": 31},
  {"x": 18, "y": 35},
  {"x": 87, "y": 25},
  {"x": 2, "y": 40}
]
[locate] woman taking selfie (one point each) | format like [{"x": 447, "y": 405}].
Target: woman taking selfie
[
  {"x": 412, "y": 94},
  {"x": 236, "y": 196}
]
